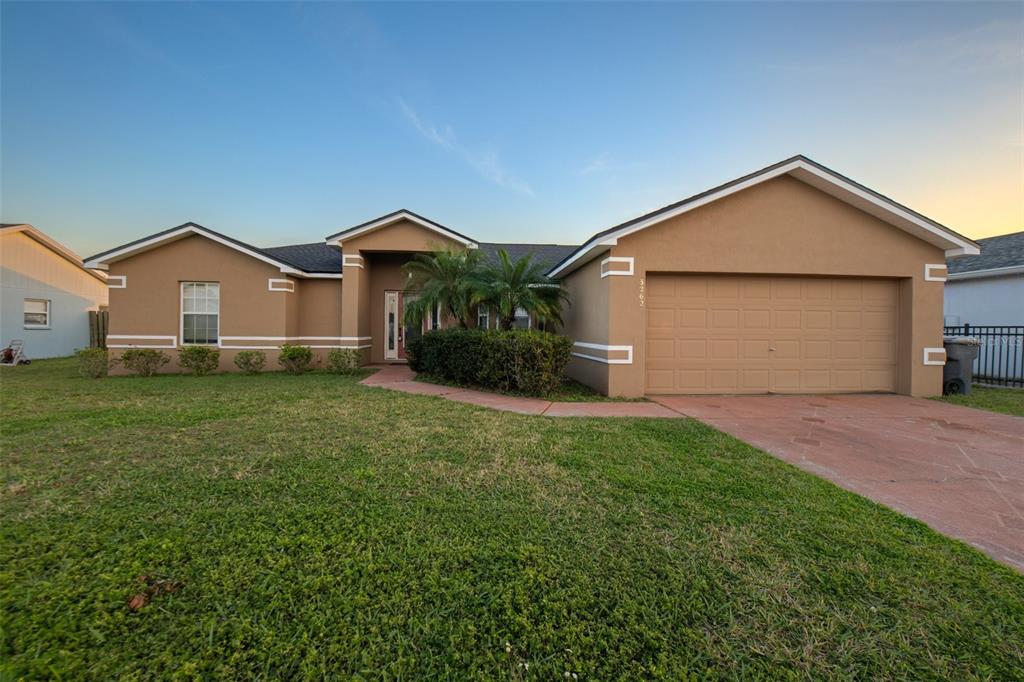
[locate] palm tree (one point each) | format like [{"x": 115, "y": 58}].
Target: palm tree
[
  {"x": 508, "y": 285},
  {"x": 444, "y": 279}
]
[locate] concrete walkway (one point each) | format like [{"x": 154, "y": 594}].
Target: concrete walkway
[
  {"x": 401, "y": 378},
  {"x": 958, "y": 469}
]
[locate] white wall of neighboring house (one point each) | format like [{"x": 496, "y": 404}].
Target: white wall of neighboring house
[
  {"x": 31, "y": 270},
  {"x": 985, "y": 301}
]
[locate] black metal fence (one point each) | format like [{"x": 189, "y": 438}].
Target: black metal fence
[{"x": 1001, "y": 356}]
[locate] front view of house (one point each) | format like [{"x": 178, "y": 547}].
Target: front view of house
[{"x": 791, "y": 279}]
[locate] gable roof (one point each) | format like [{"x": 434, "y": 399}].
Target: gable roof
[
  {"x": 805, "y": 170},
  {"x": 284, "y": 262},
  {"x": 546, "y": 255},
  {"x": 397, "y": 216},
  {"x": 1001, "y": 255},
  {"x": 53, "y": 245}
]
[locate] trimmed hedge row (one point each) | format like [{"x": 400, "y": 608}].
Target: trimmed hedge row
[{"x": 521, "y": 361}]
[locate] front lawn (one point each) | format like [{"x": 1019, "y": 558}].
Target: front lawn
[
  {"x": 1005, "y": 400},
  {"x": 308, "y": 527}
]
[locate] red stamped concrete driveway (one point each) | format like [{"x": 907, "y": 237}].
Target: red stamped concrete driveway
[{"x": 958, "y": 469}]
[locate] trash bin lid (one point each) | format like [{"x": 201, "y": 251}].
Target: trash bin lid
[{"x": 965, "y": 340}]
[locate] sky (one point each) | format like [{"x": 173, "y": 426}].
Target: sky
[{"x": 281, "y": 123}]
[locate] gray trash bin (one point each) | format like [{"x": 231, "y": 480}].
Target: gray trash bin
[{"x": 958, "y": 373}]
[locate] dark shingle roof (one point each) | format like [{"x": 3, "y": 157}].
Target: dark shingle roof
[
  {"x": 545, "y": 254},
  {"x": 314, "y": 257},
  {"x": 1004, "y": 251}
]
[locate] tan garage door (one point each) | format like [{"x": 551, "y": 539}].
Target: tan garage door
[{"x": 749, "y": 334}]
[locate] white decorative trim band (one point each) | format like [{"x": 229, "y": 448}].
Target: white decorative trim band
[
  {"x": 223, "y": 347},
  {"x": 628, "y": 360},
  {"x": 351, "y": 260},
  {"x": 605, "y": 272},
  {"x": 294, "y": 338},
  {"x": 929, "y": 268},
  {"x": 281, "y": 285},
  {"x": 146, "y": 337},
  {"x": 928, "y": 352},
  {"x": 122, "y": 281}
]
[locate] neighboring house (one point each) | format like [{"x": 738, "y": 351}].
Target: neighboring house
[
  {"x": 988, "y": 289},
  {"x": 46, "y": 293},
  {"x": 790, "y": 279}
]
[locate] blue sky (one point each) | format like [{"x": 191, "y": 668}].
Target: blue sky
[{"x": 281, "y": 123}]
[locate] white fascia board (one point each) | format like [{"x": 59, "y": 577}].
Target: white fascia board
[
  {"x": 107, "y": 258},
  {"x": 803, "y": 171},
  {"x": 991, "y": 272},
  {"x": 337, "y": 239}
]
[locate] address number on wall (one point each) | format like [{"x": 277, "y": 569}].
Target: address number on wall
[{"x": 643, "y": 293}]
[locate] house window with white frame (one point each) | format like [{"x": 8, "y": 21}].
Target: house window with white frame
[
  {"x": 37, "y": 313},
  {"x": 200, "y": 312},
  {"x": 483, "y": 317},
  {"x": 435, "y": 317},
  {"x": 522, "y": 320}
]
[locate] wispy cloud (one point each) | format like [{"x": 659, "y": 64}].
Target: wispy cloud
[
  {"x": 485, "y": 162},
  {"x": 598, "y": 164}
]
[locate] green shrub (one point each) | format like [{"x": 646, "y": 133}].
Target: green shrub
[
  {"x": 514, "y": 361},
  {"x": 144, "y": 361},
  {"x": 202, "y": 360},
  {"x": 343, "y": 360},
  {"x": 93, "y": 363},
  {"x": 295, "y": 359},
  {"x": 251, "y": 361}
]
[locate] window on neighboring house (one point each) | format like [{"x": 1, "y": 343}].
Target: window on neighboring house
[
  {"x": 37, "y": 313},
  {"x": 435, "y": 317},
  {"x": 522, "y": 320},
  {"x": 200, "y": 312},
  {"x": 483, "y": 317}
]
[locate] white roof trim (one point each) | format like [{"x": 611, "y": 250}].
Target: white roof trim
[
  {"x": 337, "y": 239},
  {"x": 811, "y": 174},
  {"x": 103, "y": 261},
  {"x": 55, "y": 246},
  {"x": 990, "y": 272}
]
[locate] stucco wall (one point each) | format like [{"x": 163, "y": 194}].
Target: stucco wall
[
  {"x": 586, "y": 320},
  {"x": 781, "y": 226},
  {"x": 988, "y": 301},
  {"x": 30, "y": 270}
]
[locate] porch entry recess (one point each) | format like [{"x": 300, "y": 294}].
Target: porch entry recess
[{"x": 397, "y": 334}]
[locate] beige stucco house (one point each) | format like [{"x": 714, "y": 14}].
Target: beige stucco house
[{"x": 791, "y": 279}]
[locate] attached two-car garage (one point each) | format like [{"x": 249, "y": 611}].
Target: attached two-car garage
[
  {"x": 793, "y": 279},
  {"x": 750, "y": 334}
]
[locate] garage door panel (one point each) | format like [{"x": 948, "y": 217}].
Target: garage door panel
[
  {"x": 750, "y": 334},
  {"x": 788, "y": 319},
  {"x": 693, "y": 349},
  {"x": 757, "y": 319},
  {"x": 725, "y": 318},
  {"x": 725, "y": 349},
  {"x": 691, "y": 318},
  {"x": 661, "y": 348},
  {"x": 661, "y": 318},
  {"x": 756, "y": 349}
]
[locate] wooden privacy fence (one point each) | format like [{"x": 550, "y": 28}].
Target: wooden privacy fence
[{"x": 98, "y": 322}]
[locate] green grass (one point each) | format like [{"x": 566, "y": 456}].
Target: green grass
[
  {"x": 309, "y": 527},
  {"x": 1005, "y": 400},
  {"x": 569, "y": 391}
]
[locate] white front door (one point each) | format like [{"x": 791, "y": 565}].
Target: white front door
[{"x": 392, "y": 326}]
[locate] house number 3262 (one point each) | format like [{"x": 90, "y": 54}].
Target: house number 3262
[{"x": 643, "y": 293}]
